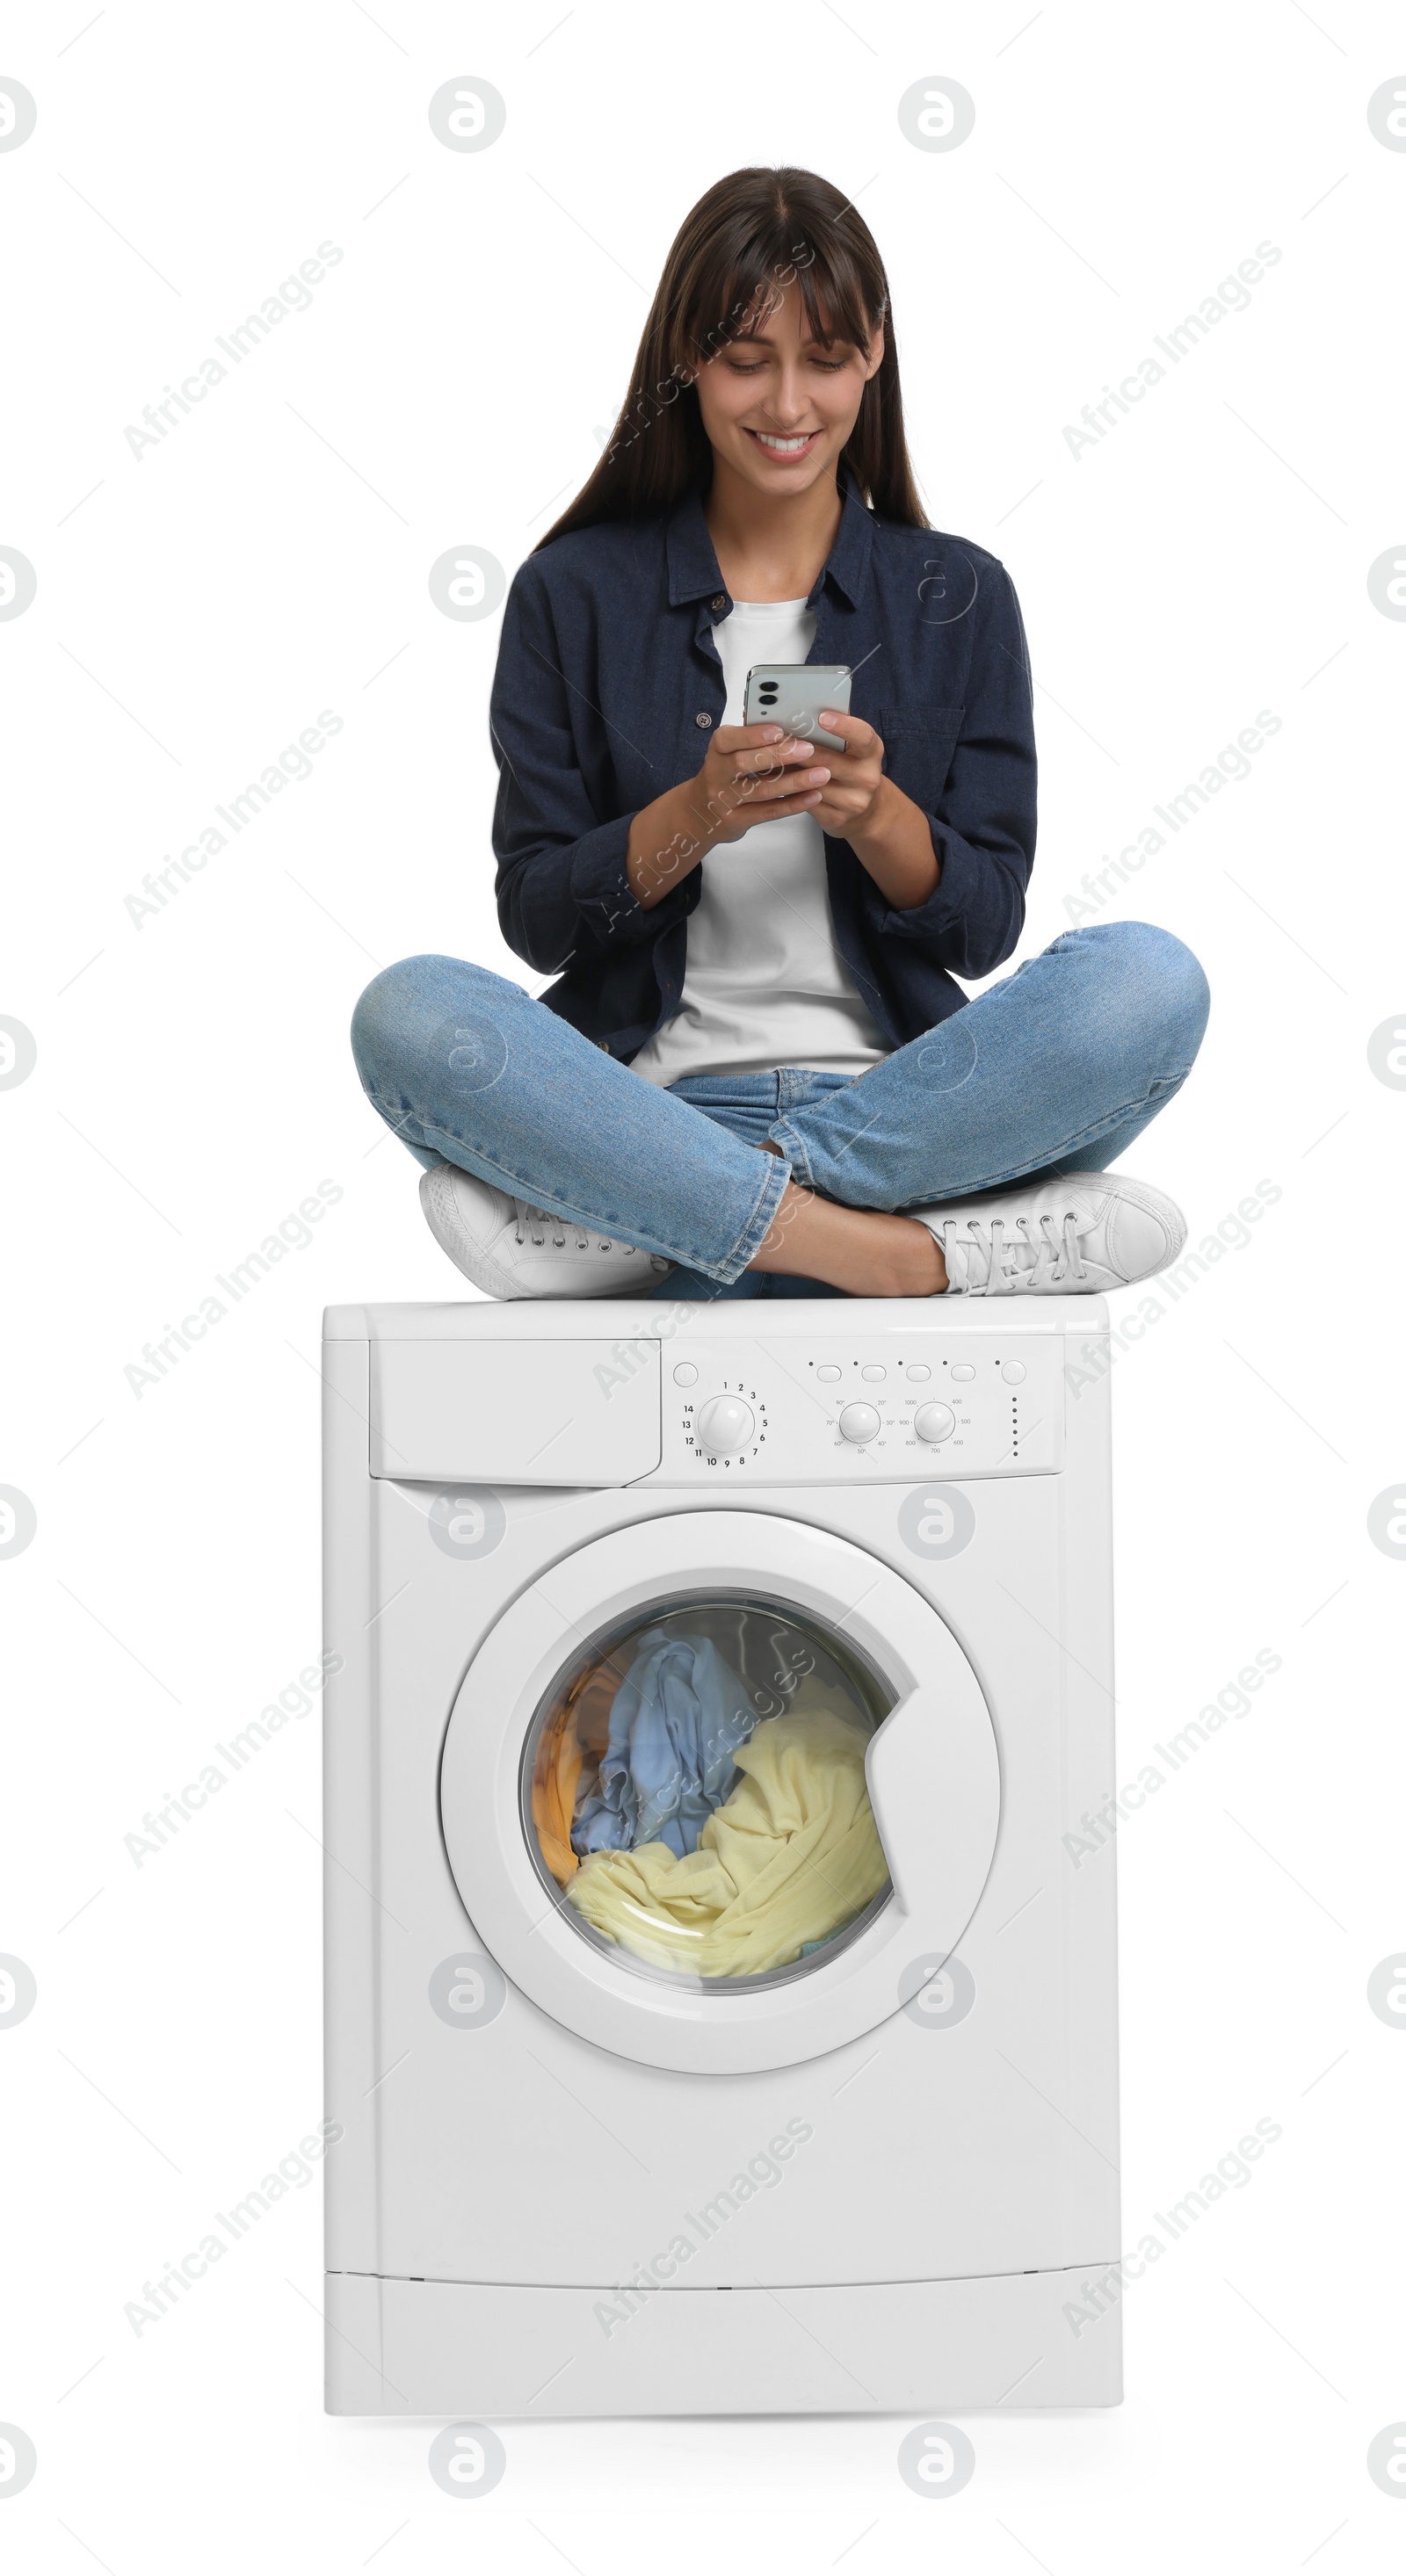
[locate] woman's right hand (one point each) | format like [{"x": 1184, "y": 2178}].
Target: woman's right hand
[
  {"x": 750, "y": 774},
  {"x": 756, "y": 774}
]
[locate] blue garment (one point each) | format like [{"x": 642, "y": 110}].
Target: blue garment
[
  {"x": 1060, "y": 1065},
  {"x": 609, "y": 683},
  {"x": 676, "y": 1721}
]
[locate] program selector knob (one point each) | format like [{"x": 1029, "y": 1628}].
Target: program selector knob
[
  {"x": 725, "y": 1423},
  {"x": 858, "y": 1422},
  {"x": 934, "y": 1422}
]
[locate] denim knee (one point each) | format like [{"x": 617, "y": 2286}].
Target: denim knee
[
  {"x": 1177, "y": 990},
  {"x": 403, "y": 1004},
  {"x": 1162, "y": 985}
]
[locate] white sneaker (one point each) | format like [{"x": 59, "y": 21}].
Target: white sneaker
[
  {"x": 1049, "y": 1237},
  {"x": 512, "y": 1249}
]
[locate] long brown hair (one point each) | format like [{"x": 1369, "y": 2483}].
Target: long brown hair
[{"x": 751, "y": 236}]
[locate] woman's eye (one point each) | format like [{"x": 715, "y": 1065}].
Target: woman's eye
[{"x": 739, "y": 369}]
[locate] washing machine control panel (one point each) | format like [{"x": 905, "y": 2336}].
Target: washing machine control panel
[{"x": 859, "y": 1409}]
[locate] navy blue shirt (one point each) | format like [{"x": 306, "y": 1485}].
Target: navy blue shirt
[{"x": 608, "y": 684}]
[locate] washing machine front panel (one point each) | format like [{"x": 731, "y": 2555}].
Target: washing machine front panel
[
  {"x": 858, "y": 1653},
  {"x": 715, "y": 1411}
]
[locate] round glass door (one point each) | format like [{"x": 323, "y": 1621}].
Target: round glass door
[
  {"x": 711, "y": 1780},
  {"x": 693, "y": 1792}
]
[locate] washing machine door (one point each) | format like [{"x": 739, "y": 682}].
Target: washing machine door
[{"x": 714, "y": 1786}]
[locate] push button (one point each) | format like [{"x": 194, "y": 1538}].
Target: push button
[
  {"x": 962, "y": 1375},
  {"x": 685, "y": 1374},
  {"x": 828, "y": 1375},
  {"x": 919, "y": 1374},
  {"x": 1013, "y": 1371},
  {"x": 872, "y": 1373}
]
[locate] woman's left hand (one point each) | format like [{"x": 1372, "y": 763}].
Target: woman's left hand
[
  {"x": 850, "y": 803},
  {"x": 887, "y": 832}
]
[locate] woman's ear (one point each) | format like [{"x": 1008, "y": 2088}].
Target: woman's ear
[{"x": 875, "y": 358}]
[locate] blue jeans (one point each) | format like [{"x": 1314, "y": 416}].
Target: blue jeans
[{"x": 1059, "y": 1067}]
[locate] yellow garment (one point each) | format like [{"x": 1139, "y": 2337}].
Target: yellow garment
[{"x": 792, "y": 1854}]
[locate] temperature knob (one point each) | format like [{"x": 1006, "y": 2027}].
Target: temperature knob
[
  {"x": 725, "y": 1423},
  {"x": 934, "y": 1422},
  {"x": 858, "y": 1422}
]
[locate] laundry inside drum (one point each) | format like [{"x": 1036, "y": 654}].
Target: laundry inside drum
[{"x": 694, "y": 1791}]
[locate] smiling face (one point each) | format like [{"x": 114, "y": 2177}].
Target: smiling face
[{"x": 778, "y": 405}]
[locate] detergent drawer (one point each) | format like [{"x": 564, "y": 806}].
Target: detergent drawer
[{"x": 514, "y": 1413}]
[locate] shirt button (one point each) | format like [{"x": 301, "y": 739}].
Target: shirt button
[
  {"x": 720, "y": 601},
  {"x": 703, "y": 720}
]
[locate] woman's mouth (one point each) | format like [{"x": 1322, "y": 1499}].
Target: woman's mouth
[{"x": 785, "y": 448}]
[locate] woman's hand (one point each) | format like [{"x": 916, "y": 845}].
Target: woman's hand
[
  {"x": 887, "y": 832},
  {"x": 755, "y": 774},
  {"x": 750, "y": 774}
]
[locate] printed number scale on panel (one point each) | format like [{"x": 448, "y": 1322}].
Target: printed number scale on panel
[{"x": 785, "y": 1413}]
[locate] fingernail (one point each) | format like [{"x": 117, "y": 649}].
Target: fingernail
[
  {"x": 771, "y": 733},
  {"x": 820, "y": 775},
  {"x": 827, "y": 715}
]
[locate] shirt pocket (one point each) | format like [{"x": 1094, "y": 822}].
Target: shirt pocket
[{"x": 918, "y": 746}]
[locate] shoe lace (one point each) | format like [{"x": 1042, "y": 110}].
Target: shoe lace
[
  {"x": 537, "y": 1225},
  {"x": 996, "y": 1267}
]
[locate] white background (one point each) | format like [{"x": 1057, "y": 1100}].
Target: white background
[{"x": 195, "y": 610}]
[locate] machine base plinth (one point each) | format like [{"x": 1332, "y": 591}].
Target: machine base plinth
[{"x": 489, "y": 2351}]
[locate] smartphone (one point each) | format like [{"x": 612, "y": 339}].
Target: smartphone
[{"x": 793, "y": 693}]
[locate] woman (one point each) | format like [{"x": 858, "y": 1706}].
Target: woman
[{"x": 754, "y": 1074}]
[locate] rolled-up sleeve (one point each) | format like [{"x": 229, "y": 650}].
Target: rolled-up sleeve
[
  {"x": 562, "y": 881},
  {"x": 983, "y": 827}
]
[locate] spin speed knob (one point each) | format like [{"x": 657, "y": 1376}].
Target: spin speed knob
[
  {"x": 725, "y": 1423},
  {"x": 934, "y": 1422}
]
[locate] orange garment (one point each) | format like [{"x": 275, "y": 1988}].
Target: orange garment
[
  {"x": 580, "y": 1726},
  {"x": 555, "y": 1773}
]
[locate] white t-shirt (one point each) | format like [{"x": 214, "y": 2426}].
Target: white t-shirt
[{"x": 764, "y": 982}]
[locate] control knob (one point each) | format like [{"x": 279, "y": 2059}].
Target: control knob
[
  {"x": 859, "y": 1422},
  {"x": 934, "y": 1422},
  {"x": 725, "y": 1423}
]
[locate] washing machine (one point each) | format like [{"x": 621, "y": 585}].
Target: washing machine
[{"x": 810, "y": 2105}]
